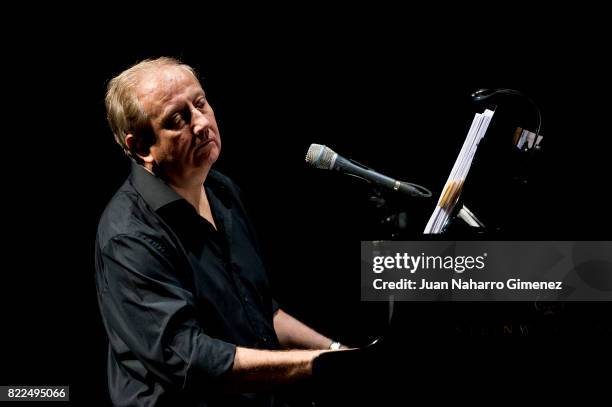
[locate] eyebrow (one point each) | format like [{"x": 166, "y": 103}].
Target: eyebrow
[{"x": 166, "y": 114}]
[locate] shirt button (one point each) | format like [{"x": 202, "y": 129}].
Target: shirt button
[
  {"x": 265, "y": 339},
  {"x": 246, "y": 299}
]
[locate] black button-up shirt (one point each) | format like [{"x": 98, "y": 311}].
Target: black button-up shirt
[{"x": 176, "y": 295}]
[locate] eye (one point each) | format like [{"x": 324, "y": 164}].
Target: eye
[
  {"x": 200, "y": 103},
  {"x": 175, "y": 121}
]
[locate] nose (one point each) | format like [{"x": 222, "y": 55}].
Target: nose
[{"x": 199, "y": 123}]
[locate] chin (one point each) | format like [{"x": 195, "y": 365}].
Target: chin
[
  {"x": 213, "y": 155},
  {"x": 208, "y": 159}
]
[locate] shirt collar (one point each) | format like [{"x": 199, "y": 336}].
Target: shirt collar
[
  {"x": 153, "y": 189},
  {"x": 158, "y": 194}
]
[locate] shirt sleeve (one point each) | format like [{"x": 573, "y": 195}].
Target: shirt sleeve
[{"x": 149, "y": 309}]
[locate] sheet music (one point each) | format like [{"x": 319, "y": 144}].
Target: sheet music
[{"x": 452, "y": 189}]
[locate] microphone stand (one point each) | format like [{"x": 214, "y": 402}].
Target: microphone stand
[{"x": 391, "y": 225}]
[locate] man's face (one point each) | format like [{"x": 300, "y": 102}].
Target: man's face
[{"x": 186, "y": 132}]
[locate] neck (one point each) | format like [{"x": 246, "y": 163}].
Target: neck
[
  {"x": 195, "y": 194},
  {"x": 192, "y": 192}
]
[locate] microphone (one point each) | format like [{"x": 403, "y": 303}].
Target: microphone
[{"x": 320, "y": 156}]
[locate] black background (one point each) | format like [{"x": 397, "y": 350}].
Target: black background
[{"x": 387, "y": 88}]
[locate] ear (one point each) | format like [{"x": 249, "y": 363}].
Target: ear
[{"x": 139, "y": 148}]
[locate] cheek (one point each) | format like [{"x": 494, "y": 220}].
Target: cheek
[
  {"x": 218, "y": 143},
  {"x": 217, "y": 135},
  {"x": 172, "y": 147}
]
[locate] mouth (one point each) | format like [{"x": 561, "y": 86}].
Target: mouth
[{"x": 204, "y": 143}]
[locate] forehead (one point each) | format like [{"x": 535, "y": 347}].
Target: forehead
[{"x": 163, "y": 87}]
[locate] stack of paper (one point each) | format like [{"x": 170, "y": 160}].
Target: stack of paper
[{"x": 454, "y": 184}]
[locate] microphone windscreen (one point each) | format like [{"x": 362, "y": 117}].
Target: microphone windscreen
[{"x": 320, "y": 156}]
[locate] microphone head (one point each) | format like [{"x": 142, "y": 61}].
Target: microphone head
[{"x": 320, "y": 156}]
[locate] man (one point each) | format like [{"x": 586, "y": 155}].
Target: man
[{"x": 181, "y": 286}]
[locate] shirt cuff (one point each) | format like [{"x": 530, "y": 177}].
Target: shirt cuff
[
  {"x": 210, "y": 360},
  {"x": 275, "y": 306}
]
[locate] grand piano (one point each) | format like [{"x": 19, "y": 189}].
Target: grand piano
[{"x": 519, "y": 352}]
